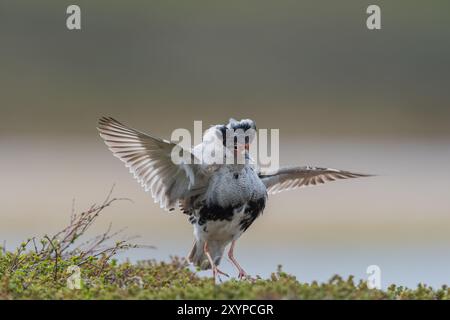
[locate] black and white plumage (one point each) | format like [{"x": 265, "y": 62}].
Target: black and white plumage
[{"x": 222, "y": 200}]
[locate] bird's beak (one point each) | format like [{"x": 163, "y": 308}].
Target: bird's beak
[{"x": 242, "y": 148}]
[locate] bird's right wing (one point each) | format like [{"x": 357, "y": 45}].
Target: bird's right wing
[
  {"x": 294, "y": 177},
  {"x": 149, "y": 160}
]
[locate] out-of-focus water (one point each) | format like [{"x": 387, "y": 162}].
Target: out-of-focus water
[{"x": 399, "y": 220}]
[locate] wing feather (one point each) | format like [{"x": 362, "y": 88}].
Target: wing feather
[
  {"x": 149, "y": 160},
  {"x": 289, "y": 178}
]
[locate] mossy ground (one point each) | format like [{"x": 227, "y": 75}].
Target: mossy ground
[
  {"x": 174, "y": 280},
  {"x": 41, "y": 269}
]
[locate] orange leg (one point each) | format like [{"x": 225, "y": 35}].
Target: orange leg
[
  {"x": 242, "y": 273},
  {"x": 215, "y": 270}
]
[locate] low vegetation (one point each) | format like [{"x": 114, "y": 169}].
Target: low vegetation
[{"x": 48, "y": 268}]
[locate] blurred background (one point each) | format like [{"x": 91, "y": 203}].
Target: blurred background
[{"x": 341, "y": 95}]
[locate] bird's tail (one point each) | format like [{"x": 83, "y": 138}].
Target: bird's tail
[{"x": 198, "y": 256}]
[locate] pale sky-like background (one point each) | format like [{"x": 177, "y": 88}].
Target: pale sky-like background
[{"x": 341, "y": 95}]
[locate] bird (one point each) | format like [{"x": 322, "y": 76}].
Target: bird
[{"x": 221, "y": 200}]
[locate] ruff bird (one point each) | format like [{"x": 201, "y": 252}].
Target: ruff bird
[{"x": 221, "y": 200}]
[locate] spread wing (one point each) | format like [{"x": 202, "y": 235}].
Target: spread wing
[
  {"x": 149, "y": 160},
  {"x": 294, "y": 177}
]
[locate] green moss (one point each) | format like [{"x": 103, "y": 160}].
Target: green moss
[
  {"x": 40, "y": 269},
  {"x": 34, "y": 278}
]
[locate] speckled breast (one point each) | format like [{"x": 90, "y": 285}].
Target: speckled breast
[{"x": 236, "y": 192}]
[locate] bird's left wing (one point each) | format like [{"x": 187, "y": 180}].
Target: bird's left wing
[
  {"x": 149, "y": 160},
  {"x": 294, "y": 177}
]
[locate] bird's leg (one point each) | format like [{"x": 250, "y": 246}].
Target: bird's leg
[
  {"x": 242, "y": 273},
  {"x": 191, "y": 253},
  {"x": 216, "y": 271}
]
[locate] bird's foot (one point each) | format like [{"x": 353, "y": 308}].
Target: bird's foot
[
  {"x": 245, "y": 276},
  {"x": 217, "y": 272},
  {"x": 242, "y": 274}
]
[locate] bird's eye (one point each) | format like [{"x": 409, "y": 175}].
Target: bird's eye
[{"x": 235, "y": 147}]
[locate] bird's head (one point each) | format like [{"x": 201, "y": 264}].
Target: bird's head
[{"x": 237, "y": 135}]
